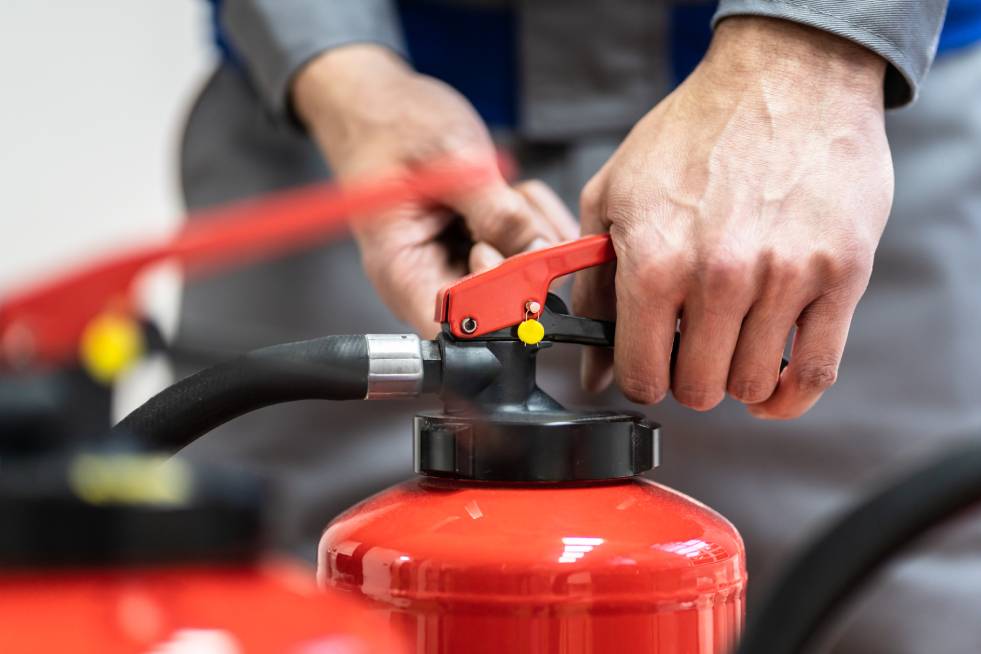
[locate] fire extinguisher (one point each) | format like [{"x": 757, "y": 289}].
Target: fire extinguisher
[
  {"x": 109, "y": 550},
  {"x": 529, "y": 527}
]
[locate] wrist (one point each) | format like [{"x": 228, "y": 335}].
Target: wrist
[
  {"x": 794, "y": 57},
  {"x": 341, "y": 79}
]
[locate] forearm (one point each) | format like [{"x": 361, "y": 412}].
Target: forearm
[
  {"x": 276, "y": 38},
  {"x": 904, "y": 34},
  {"x": 346, "y": 76}
]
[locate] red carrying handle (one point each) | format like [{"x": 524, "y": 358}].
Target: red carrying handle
[{"x": 42, "y": 324}]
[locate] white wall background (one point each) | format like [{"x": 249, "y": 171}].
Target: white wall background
[
  {"x": 92, "y": 99},
  {"x": 93, "y": 95}
]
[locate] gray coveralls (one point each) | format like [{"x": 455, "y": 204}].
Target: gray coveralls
[{"x": 910, "y": 380}]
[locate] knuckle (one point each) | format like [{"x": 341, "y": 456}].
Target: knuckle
[
  {"x": 844, "y": 264},
  {"x": 506, "y": 217},
  {"x": 751, "y": 390},
  {"x": 591, "y": 198},
  {"x": 698, "y": 396},
  {"x": 639, "y": 388},
  {"x": 817, "y": 374},
  {"x": 505, "y": 223},
  {"x": 722, "y": 271},
  {"x": 788, "y": 271},
  {"x": 649, "y": 280},
  {"x": 655, "y": 268}
]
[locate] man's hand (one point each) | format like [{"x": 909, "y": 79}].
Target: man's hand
[
  {"x": 371, "y": 114},
  {"x": 750, "y": 200}
]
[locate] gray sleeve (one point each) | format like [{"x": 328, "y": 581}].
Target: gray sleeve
[
  {"x": 903, "y": 32},
  {"x": 275, "y": 38}
]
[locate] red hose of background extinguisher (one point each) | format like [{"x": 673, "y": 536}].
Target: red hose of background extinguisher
[
  {"x": 834, "y": 566},
  {"x": 328, "y": 368}
]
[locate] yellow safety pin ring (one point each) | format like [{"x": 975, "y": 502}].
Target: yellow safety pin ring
[{"x": 531, "y": 332}]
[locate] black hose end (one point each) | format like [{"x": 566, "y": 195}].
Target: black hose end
[{"x": 327, "y": 368}]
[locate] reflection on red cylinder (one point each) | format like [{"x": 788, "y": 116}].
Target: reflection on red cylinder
[
  {"x": 189, "y": 610},
  {"x": 628, "y": 566}
]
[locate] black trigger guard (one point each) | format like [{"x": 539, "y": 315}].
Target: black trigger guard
[
  {"x": 560, "y": 327},
  {"x": 556, "y": 304}
]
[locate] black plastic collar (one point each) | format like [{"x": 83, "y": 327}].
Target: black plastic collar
[{"x": 535, "y": 446}]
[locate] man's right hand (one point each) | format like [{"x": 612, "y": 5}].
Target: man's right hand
[{"x": 372, "y": 114}]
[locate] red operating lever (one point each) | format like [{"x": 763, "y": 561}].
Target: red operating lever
[{"x": 498, "y": 298}]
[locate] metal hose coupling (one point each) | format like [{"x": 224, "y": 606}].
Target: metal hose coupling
[{"x": 397, "y": 364}]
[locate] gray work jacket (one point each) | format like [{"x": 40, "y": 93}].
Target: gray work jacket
[{"x": 622, "y": 41}]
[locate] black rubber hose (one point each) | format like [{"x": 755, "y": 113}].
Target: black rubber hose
[
  {"x": 328, "y": 368},
  {"x": 835, "y": 565}
]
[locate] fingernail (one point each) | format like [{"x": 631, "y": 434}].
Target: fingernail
[{"x": 483, "y": 256}]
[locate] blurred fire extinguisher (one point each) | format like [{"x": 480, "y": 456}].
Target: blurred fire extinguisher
[{"x": 108, "y": 550}]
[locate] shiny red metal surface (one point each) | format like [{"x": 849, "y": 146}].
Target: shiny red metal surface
[
  {"x": 271, "y": 609},
  {"x": 496, "y": 298},
  {"x": 627, "y": 566}
]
